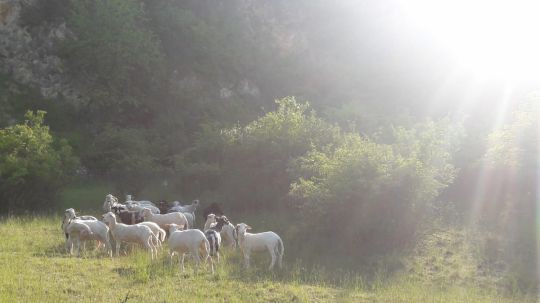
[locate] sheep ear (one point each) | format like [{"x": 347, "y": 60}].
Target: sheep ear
[{"x": 248, "y": 227}]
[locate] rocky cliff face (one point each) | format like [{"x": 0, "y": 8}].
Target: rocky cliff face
[{"x": 28, "y": 55}]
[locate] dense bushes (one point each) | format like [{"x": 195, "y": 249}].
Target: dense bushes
[
  {"x": 257, "y": 156},
  {"x": 376, "y": 193},
  {"x": 33, "y": 165}
]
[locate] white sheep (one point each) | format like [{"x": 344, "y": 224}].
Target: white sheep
[
  {"x": 141, "y": 202},
  {"x": 139, "y": 208},
  {"x": 228, "y": 235},
  {"x": 100, "y": 231},
  {"x": 70, "y": 212},
  {"x": 157, "y": 231},
  {"x": 76, "y": 233},
  {"x": 140, "y": 234},
  {"x": 259, "y": 242},
  {"x": 164, "y": 219},
  {"x": 190, "y": 217},
  {"x": 192, "y": 241}
]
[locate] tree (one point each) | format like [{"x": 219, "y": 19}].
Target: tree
[
  {"x": 33, "y": 165},
  {"x": 257, "y": 155}
]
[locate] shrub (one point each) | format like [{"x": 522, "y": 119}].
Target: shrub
[
  {"x": 33, "y": 165},
  {"x": 374, "y": 194},
  {"x": 257, "y": 155}
]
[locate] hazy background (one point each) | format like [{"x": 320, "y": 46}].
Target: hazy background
[{"x": 422, "y": 116}]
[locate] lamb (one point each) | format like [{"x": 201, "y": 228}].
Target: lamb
[
  {"x": 70, "y": 214},
  {"x": 191, "y": 241},
  {"x": 100, "y": 231},
  {"x": 157, "y": 231},
  {"x": 163, "y": 219},
  {"x": 77, "y": 232},
  {"x": 131, "y": 233},
  {"x": 259, "y": 242}
]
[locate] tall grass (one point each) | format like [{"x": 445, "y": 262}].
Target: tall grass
[{"x": 35, "y": 268}]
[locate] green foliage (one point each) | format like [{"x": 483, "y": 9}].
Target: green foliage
[
  {"x": 118, "y": 58},
  {"x": 257, "y": 155},
  {"x": 125, "y": 155},
  {"x": 380, "y": 192},
  {"x": 507, "y": 204},
  {"x": 33, "y": 165}
]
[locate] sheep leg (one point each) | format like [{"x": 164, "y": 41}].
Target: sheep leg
[
  {"x": 118, "y": 248},
  {"x": 273, "y": 255},
  {"x": 68, "y": 245},
  {"x": 280, "y": 260},
  {"x": 212, "y": 263},
  {"x": 77, "y": 244},
  {"x": 109, "y": 248}
]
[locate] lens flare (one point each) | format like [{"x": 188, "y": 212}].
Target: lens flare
[{"x": 487, "y": 38}]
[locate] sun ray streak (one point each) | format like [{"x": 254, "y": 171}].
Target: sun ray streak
[{"x": 484, "y": 177}]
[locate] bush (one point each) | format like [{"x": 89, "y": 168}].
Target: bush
[
  {"x": 375, "y": 194},
  {"x": 257, "y": 156},
  {"x": 33, "y": 165}
]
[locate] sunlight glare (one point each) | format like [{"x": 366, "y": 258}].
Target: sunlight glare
[{"x": 486, "y": 38}]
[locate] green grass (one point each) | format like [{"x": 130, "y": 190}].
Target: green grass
[{"x": 35, "y": 268}]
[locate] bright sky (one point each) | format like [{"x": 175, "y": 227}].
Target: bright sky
[{"x": 489, "y": 38}]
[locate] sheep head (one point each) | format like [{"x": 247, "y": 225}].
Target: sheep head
[
  {"x": 242, "y": 227},
  {"x": 173, "y": 227},
  {"x": 109, "y": 217},
  {"x": 146, "y": 212},
  {"x": 70, "y": 213}
]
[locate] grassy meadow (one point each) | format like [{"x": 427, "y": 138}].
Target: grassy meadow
[{"x": 34, "y": 267}]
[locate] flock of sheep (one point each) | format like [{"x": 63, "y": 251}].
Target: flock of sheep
[{"x": 144, "y": 223}]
